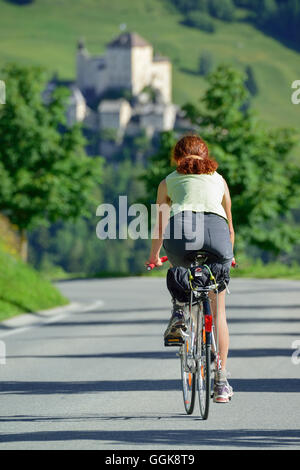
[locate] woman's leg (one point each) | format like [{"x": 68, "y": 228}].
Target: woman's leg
[{"x": 221, "y": 326}]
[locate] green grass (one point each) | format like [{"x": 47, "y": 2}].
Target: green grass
[
  {"x": 22, "y": 289},
  {"x": 267, "y": 271},
  {"x": 47, "y": 31}
]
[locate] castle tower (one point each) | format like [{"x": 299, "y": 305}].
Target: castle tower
[
  {"x": 81, "y": 64},
  {"x": 129, "y": 62},
  {"x": 91, "y": 71}
]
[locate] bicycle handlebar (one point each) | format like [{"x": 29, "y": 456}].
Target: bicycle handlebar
[
  {"x": 163, "y": 259},
  {"x": 152, "y": 265}
]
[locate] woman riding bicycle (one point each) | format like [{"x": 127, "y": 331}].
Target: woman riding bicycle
[{"x": 200, "y": 204}]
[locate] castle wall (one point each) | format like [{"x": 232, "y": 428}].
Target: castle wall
[
  {"x": 114, "y": 114},
  {"x": 159, "y": 117},
  {"x": 91, "y": 72},
  {"x": 118, "y": 62},
  {"x": 161, "y": 72},
  {"x": 81, "y": 67},
  {"x": 141, "y": 64}
]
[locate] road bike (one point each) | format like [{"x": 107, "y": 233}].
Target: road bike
[{"x": 199, "y": 348}]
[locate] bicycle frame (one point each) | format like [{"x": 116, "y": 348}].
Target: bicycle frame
[
  {"x": 200, "y": 346},
  {"x": 197, "y": 349},
  {"x": 211, "y": 330}
]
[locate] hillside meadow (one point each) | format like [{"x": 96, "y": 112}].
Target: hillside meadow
[{"x": 46, "y": 33}]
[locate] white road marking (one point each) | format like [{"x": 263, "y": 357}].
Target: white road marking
[{"x": 78, "y": 307}]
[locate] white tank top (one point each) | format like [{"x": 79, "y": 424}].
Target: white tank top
[{"x": 198, "y": 193}]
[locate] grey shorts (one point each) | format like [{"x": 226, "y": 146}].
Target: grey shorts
[{"x": 189, "y": 232}]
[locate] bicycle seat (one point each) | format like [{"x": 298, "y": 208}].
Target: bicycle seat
[{"x": 201, "y": 257}]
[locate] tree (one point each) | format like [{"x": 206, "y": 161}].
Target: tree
[
  {"x": 45, "y": 173},
  {"x": 267, "y": 14},
  {"x": 75, "y": 246},
  {"x": 250, "y": 82},
  {"x": 206, "y": 63},
  {"x": 200, "y": 20},
  {"x": 21, "y": 2},
  {"x": 255, "y": 161},
  {"x": 159, "y": 167},
  {"x": 202, "y": 5},
  {"x": 222, "y": 9}
]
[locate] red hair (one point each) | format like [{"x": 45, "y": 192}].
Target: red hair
[{"x": 186, "y": 164}]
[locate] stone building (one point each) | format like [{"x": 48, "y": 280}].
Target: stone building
[
  {"x": 125, "y": 91},
  {"x": 128, "y": 64}
]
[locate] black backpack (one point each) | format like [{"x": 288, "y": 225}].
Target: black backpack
[{"x": 181, "y": 281}]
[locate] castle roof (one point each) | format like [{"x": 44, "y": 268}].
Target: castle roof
[{"x": 129, "y": 40}]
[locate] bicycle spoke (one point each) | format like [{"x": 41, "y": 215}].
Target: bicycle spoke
[
  {"x": 188, "y": 366},
  {"x": 203, "y": 369}
]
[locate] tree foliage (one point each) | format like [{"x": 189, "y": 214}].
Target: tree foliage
[
  {"x": 45, "y": 173},
  {"x": 206, "y": 63},
  {"x": 250, "y": 82},
  {"x": 255, "y": 161},
  {"x": 280, "y": 18},
  {"x": 160, "y": 165},
  {"x": 75, "y": 247},
  {"x": 199, "y": 20},
  {"x": 222, "y": 9}
]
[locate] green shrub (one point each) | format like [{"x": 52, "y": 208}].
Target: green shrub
[{"x": 200, "y": 20}]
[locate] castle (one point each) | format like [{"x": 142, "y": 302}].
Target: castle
[
  {"x": 128, "y": 64},
  {"x": 123, "y": 92}
]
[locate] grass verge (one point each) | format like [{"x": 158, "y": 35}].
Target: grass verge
[{"x": 23, "y": 289}]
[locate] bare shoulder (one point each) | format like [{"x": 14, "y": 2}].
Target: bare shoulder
[
  {"x": 162, "y": 192},
  {"x": 225, "y": 182},
  {"x": 163, "y": 184}
]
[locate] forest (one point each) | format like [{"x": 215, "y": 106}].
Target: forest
[{"x": 279, "y": 18}]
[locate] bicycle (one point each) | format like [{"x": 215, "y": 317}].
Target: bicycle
[{"x": 199, "y": 346}]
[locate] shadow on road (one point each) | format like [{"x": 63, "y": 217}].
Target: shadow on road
[
  {"x": 48, "y": 388},
  {"x": 164, "y": 321},
  {"x": 168, "y": 309},
  {"x": 163, "y": 354},
  {"x": 176, "y": 438}
]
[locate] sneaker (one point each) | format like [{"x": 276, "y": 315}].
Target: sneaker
[
  {"x": 173, "y": 334},
  {"x": 223, "y": 392}
]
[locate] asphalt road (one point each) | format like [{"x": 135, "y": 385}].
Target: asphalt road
[{"x": 100, "y": 378}]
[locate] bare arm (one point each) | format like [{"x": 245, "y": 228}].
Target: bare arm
[
  {"x": 162, "y": 217},
  {"x": 226, "y": 203}
]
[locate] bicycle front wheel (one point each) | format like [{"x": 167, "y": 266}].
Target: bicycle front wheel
[{"x": 203, "y": 371}]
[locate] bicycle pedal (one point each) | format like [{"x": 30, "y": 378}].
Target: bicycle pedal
[{"x": 169, "y": 342}]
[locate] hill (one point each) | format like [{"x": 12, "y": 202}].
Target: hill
[{"x": 45, "y": 32}]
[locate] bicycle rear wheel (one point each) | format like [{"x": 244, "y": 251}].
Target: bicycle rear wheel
[
  {"x": 188, "y": 366},
  {"x": 203, "y": 369}
]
